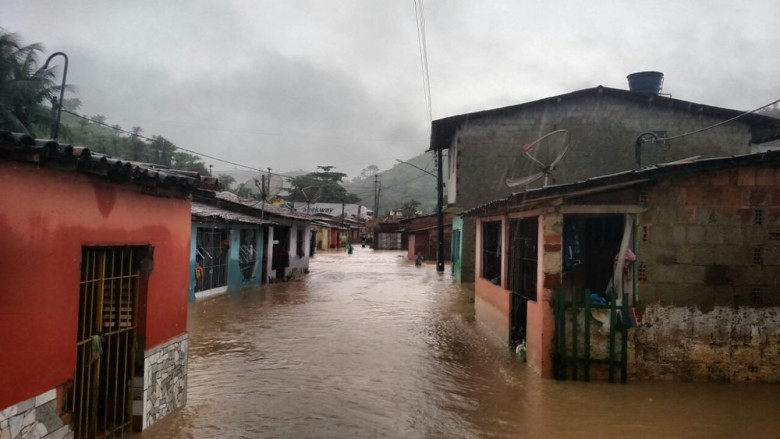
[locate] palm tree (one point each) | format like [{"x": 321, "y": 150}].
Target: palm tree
[{"x": 24, "y": 86}]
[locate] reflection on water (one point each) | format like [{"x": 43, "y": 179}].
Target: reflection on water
[{"x": 369, "y": 345}]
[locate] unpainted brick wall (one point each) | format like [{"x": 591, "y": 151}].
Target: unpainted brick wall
[{"x": 709, "y": 247}]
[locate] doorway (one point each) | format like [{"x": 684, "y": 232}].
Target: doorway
[
  {"x": 280, "y": 258},
  {"x": 101, "y": 396},
  {"x": 521, "y": 273}
]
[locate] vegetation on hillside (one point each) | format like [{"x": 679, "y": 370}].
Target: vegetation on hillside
[
  {"x": 413, "y": 180},
  {"x": 28, "y": 95}
]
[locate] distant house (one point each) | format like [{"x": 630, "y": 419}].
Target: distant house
[
  {"x": 423, "y": 238},
  {"x": 289, "y": 242},
  {"x": 227, "y": 250},
  {"x": 342, "y": 219},
  {"x": 93, "y": 310},
  {"x": 347, "y": 210},
  {"x": 701, "y": 280},
  {"x": 602, "y": 127},
  {"x": 387, "y": 234}
]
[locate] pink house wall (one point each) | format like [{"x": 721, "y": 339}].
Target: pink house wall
[{"x": 492, "y": 303}]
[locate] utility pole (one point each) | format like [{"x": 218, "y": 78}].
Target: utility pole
[
  {"x": 377, "y": 189},
  {"x": 440, "y": 210},
  {"x": 376, "y": 209}
]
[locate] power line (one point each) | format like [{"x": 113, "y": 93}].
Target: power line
[
  {"x": 419, "y": 13},
  {"x": 662, "y": 139},
  {"x": 264, "y": 171}
]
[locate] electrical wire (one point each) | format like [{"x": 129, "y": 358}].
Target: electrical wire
[
  {"x": 419, "y": 13},
  {"x": 264, "y": 171},
  {"x": 712, "y": 126}
]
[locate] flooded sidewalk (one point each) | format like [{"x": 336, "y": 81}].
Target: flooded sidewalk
[{"x": 369, "y": 345}]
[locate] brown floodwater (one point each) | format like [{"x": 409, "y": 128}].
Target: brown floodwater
[{"x": 370, "y": 345}]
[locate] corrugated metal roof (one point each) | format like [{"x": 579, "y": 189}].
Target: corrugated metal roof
[
  {"x": 632, "y": 177},
  {"x": 205, "y": 211},
  {"x": 443, "y": 130},
  {"x": 269, "y": 208},
  {"x": 49, "y": 153}
]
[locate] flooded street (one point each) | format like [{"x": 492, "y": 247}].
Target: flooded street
[{"x": 369, "y": 345}]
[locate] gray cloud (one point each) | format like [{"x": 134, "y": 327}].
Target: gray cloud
[{"x": 299, "y": 83}]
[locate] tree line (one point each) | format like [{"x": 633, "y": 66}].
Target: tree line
[{"x": 28, "y": 98}]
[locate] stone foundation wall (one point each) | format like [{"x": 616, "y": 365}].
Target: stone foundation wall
[
  {"x": 164, "y": 381},
  {"x": 728, "y": 344},
  {"x": 37, "y": 417}
]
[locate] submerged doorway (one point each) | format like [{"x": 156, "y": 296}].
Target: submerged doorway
[
  {"x": 101, "y": 396},
  {"x": 521, "y": 273}
]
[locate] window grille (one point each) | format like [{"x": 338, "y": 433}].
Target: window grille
[
  {"x": 211, "y": 258},
  {"x": 101, "y": 398},
  {"x": 247, "y": 254},
  {"x": 642, "y": 271},
  {"x": 522, "y": 261},
  {"x": 645, "y": 233},
  {"x": 758, "y": 217},
  {"x": 455, "y": 257},
  {"x": 758, "y": 256},
  {"x": 644, "y": 197},
  {"x": 755, "y": 296},
  {"x": 491, "y": 251}
]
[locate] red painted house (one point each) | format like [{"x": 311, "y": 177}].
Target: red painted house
[
  {"x": 93, "y": 309},
  {"x": 423, "y": 238}
]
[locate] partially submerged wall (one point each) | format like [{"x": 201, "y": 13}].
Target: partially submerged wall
[{"x": 724, "y": 344}]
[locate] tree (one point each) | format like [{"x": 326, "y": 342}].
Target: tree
[
  {"x": 72, "y": 104},
  {"x": 226, "y": 182},
  {"x": 24, "y": 87},
  {"x": 369, "y": 171},
  {"x": 189, "y": 162},
  {"x": 136, "y": 146},
  {"x": 327, "y": 180},
  {"x": 410, "y": 208},
  {"x": 163, "y": 150}
]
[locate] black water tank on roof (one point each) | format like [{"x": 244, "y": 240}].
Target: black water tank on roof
[{"x": 646, "y": 82}]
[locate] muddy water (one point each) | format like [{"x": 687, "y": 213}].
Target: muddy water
[{"x": 368, "y": 345}]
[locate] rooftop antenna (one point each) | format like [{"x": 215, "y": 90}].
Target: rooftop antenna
[
  {"x": 543, "y": 154},
  {"x": 270, "y": 185}
]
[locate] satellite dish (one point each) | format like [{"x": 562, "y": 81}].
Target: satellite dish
[
  {"x": 269, "y": 185},
  {"x": 312, "y": 194},
  {"x": 543, "y": 155}
]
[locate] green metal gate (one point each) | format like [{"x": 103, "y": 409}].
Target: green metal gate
[{"x": 572, "y": 356}]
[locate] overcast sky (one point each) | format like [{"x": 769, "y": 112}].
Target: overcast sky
[{"x": 292, "y": 84}]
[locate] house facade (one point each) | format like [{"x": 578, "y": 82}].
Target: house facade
[
  {"x": 699, "y": 283},
  {"x": 227, "y": 250},
  {"x": 601, "y": 125},
  {"x": 289, "y": 243},
  {"x": 95, "y": 293},
  {"x": 423, "y": 238}
]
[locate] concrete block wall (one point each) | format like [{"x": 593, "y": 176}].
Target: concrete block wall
[
  {"x": 725, "y": 344},
  {"x": 709, "y": 256},
  {"x": 603, "y": 131},
  {"x": 37, "y": 417},
  {"x": 712, "y": 240}
]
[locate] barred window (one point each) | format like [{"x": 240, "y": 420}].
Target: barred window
[{"x": 491, "y": 251}]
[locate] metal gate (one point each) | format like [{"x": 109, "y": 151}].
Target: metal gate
[
  {"x": 522, "y": 265},
  {"x": 101, "y": 397}
]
